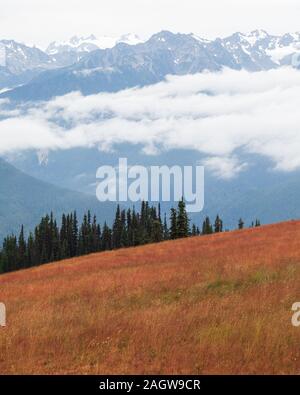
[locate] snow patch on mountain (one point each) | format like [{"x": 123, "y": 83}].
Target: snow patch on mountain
[
  {"x": 255, "y": 36},
  {"x": 200, "y": 39},
  {"x": 18, "y": 58},
  {"x": 261, "y": 49},
  {"x": 279, "y": 53},
  {"x": 130, "y": 39},
  {"x": 91, "y": 43},
  {"x": 284, "y": 46}
]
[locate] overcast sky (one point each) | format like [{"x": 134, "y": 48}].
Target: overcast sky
[{"x": 41, "y": 21}]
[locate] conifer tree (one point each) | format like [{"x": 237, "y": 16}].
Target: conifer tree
[
  {"x": 194, "y": 230},
  {"x": 22, "y": 257},
  {"x": 207, "y": 228},
  {"x": 241, "y": 224},
  {"x": 117, "y": 229},
  {"x": 257, "y": 223},
  {"x": 173, "y": 227},
  {"x": 218, "y": 225},
  {"x": 106, "y": 238},
  {"x": 166, "y": 233},
  {"x": 182, "y": 220}
]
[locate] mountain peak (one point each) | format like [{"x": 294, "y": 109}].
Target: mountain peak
[
  {"x": 199, "y": 38},
  {"x": 130, "y": 39},
  {"x": 164, "y": 35},
  {"x": 259, "y": 34}
]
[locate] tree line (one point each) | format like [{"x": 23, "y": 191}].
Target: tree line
[{"x": 50, "y": 242}]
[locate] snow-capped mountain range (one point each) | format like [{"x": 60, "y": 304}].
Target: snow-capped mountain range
[{"x": 92, "y": 64}]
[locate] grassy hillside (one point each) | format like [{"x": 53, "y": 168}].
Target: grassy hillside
[{"x": 215, "y": 304}]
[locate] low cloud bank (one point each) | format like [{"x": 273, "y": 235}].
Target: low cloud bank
[{"x": 214, "y": 113}]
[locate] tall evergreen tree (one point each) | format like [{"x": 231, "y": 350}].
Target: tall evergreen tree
[
  {"x": 22, "y": 256},
  {"x": 117, "y": 229},
  {"x": 182, "y": 220},
  {"x": 174, "y": 226},
  {"x": 106, "y": 238},
  {"x": 166, "y": 233}
]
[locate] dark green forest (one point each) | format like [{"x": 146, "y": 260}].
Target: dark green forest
[{"x": 50, "y": 242}]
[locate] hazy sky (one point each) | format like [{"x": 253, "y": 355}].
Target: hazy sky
[{"x": 41, "y": 21}]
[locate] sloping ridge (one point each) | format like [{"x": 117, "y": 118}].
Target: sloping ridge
[{"x": 24, "y": 200}]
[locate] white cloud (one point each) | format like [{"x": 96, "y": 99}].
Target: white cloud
[
  {"x": 218, "y": 114},
  {"x": 224, "y": 167}
]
